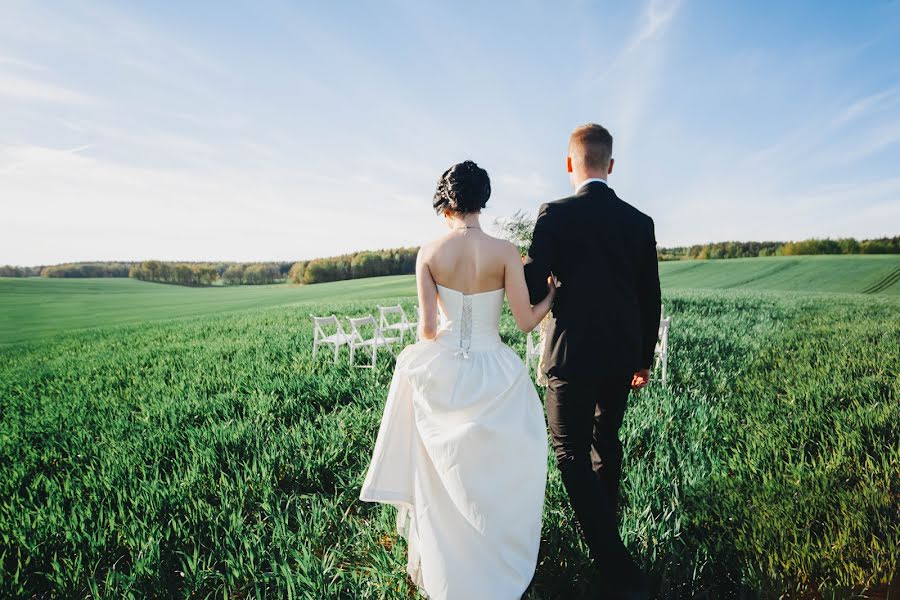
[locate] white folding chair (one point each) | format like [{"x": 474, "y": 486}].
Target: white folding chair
[
  {"x": 358, "y": 325},
  {"x": 661, "y": 352},
  {"x": 402, "y": 325},
  {"x": 337, "y": 339}
]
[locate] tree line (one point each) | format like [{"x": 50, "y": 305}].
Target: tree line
[
  {"x": 187, "y": 273},
  {"x": 181, "y": 273},
  {"x": 402, "y": 261},
  {"x": 356, "y": 265},
  {"x": 393, "y": 261},
  {"x": 719, "y": 250},
  {"x": 255, "y": 273},
  {"x": 178, "y": 273},
  {"x": 87, "y": 269},
  {"x": 13, "y": 271}
]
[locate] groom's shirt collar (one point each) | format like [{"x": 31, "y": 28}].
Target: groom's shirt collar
[{"x": 587, "y": 181}]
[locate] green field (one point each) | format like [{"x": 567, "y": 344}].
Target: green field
[
  {"x": 876, "y": 275},
  {"x": 158, "y": 441},
  {"x": 38, "y": 307}
]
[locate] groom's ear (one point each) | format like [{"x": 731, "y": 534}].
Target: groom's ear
[
  {"x": 569, "y": 163},
  {"x": 612, "y": 161}
]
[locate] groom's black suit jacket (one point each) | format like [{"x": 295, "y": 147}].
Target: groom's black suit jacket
[{"x": 603, "y": 252}]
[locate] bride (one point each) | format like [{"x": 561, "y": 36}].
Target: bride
[{"x": 462, "y": 446}]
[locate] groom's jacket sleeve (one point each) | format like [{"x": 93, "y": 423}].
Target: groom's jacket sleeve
[
  {"x": 539, "y": 261},
  {"x": 650, "y": 298}
]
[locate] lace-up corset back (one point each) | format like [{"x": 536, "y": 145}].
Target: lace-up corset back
[{"x": 469, "y": 322}]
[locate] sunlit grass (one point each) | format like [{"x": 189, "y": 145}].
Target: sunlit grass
[{"x": 213, "y": 457}]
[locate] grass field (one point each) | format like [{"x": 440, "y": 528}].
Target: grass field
[
  {"x": 848, "y": 274},
  {"x": 37, "y": 307},
  {"x": 167, "y": 442}
]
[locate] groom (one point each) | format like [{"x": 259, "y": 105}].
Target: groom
[{"x": 603, "y": 252}]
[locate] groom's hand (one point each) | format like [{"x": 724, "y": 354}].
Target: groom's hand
[{"x": 640, "y": 379}]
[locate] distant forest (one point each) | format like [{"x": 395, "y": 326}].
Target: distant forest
[
  {"x": 804, "y": 247},
  {"x": 394, "y": 261},
  {"x": 209, "y": 273},
  {"x": 402, "y": 261}
]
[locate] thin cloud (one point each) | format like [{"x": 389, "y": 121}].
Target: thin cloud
[
  {"x": 654, "y": 21},
  {"x": 657, "y": 16},
  {"x": 12, "y": 61},
  {"x": 865, "y": 106},
  {"x": 811, "y": 139},
  {"x": 525, "y": 185},
  {"x": 71, "y": 207},
  {"x": 39, "y": 91},
  {"x": 872, "y": 142},
  {"x": 22, "y": 156}
]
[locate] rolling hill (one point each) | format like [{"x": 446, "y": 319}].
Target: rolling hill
[{"x": 34, "y": 308}]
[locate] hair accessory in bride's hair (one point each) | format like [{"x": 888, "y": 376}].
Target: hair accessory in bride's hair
[{"x": 463, "y": 188}]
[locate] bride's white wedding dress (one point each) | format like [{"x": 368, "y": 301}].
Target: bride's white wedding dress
[{"x": 462, "y": 452}]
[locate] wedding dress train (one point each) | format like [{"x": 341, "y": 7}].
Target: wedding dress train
[{"x": 462, "y": 453}]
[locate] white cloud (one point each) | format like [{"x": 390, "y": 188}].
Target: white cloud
[
  {"x": 731, "y": 206},
  {"x": 657, "y": 16},
  {"x": 20, "y": 88},
  {"x": 12, "y": 61},
  {"x": 863, "y": 106},
  {"x": 73, "y": 206},
  {"x": 524, "y": 183},
  {"x": 654, "y": 22},
  {"x": 26, "y": 156}
]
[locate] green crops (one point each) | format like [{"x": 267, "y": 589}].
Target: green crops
[{"x": 211, "y": 456}]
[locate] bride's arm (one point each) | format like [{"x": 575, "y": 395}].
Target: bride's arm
[
  {"x": 527, "y": 316},
  {"x": 427, "y": 291}
]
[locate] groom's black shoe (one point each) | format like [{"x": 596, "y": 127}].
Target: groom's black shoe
[
  {"x": 638, "y": 589},
  {"x": 634, "y": 590},
  {"x": 626, "y": 583}
]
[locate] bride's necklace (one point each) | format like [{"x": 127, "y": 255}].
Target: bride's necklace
[{"x": 466, "y": 227}]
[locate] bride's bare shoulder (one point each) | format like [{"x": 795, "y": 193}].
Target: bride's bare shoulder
[
  {"x": 432, "y": 249},
  {"x": 504, "y": 247}
]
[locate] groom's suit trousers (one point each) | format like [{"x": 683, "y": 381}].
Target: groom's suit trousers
[{"x": 584, "y": 417}]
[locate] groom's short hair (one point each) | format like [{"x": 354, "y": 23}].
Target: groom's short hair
[{"x": 591, "y": 143}]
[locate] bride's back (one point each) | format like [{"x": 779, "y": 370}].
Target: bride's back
[{"x": 467, "y": 260}]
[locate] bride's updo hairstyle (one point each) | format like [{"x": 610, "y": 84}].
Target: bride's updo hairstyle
[{"x": 463, "y": 188}]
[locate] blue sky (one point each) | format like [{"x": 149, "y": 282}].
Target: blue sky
[{"x": 287, "y": 130}]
